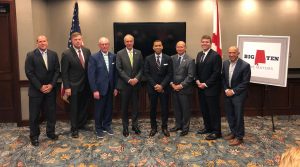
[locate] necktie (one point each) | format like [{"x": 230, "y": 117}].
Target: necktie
[
  {"x": 157, "y": 62},
  {"x": 106, "y": 59},
  {"x": 131, "y": 58},
  {"x": 81, "y": 58},
  {"x": 179, "y": 61},
  {"x": 202, "y": 57},
  {"x": 45, "y": 59}
]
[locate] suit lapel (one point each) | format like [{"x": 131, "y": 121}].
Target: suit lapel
[
  {"x": 110, "y": 61},
  {"x": 134, "y": 59},
  {"x": 49, "y": 59},
  {"x": 75, "y": 56},
  {"x": 85, "y": 53},
  {"x": 236, "y": 69},
  {"x": 101, "y": 60},
  {"x": 153, "y": 60},
  {"x": 183, "y": 61},
  {"x": 39, "y": 57},
  {"x": 207, "y": 57},
  {"x": 226, "y": 66},
  {"x": 126, "y": 57}
]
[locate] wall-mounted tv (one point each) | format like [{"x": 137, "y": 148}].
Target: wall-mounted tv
[{"x": 145, "y": 33}]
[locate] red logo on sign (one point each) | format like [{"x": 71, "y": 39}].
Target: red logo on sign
[{"x": 260, "y": 57}]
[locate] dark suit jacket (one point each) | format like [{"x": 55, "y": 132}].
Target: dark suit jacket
[
  {"x": 155, "y": 76},
  {"x": 99, "y": 77},
  {"x": 240, "y": 77},
  {"x": 209, "y": 72},
  {"x": 125, "y": 71},
  {"x": 37, "y": 72},
  {"x": 74, "y": 76},
  {"x": 184, "y": 74}
]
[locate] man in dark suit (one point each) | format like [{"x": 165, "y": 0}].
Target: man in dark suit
[
  {"x": 236, "y": 74},
  {"x": 74, "y": 64},
  {"x": 102, "y": 79},
  {"x": 42, "y": 71},
  {"x": 158, "y": 71},
  {"x": 130, "y": 70},
  {"x": 208, "y": 80},
  {"x": 181, "y": 83}
]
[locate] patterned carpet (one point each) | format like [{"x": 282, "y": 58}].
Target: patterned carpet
[{"x": 262, "y": 147}]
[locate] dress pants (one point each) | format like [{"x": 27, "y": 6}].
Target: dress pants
[
  {"x": 78, "y": 106},
  {"x": 103, "y": 111},
  {"x": 210, "y": 109},
  {"x": 164, "y": 99},
  {"x": 182, "y": 110},
  {"x": 234, "y": 108},
  {"x": 47, "y": 103},
  {"x": 129, "y": 94}
]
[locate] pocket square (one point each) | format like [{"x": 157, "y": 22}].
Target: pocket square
[
  {"x": 113, "y": 63},
  {"x": 166, "y": 64}
]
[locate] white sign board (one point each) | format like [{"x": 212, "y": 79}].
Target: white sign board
[{"x": 267, "y": 56}]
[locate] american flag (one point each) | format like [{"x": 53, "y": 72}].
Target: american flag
[{"x": 75, "y": 24}]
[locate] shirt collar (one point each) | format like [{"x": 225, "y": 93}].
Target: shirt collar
[
  {"x": 160, "y": 55},
  {"x": 77, "y": 49},
  {"x": 43, "y": 51},
  {"x": 206, "y": 52},
  {"x": 234, "y": 61},
  {"x": 104, "y": 53},
  {"x": 181, "y": 55},
  {"x": 129, "y": 51}
]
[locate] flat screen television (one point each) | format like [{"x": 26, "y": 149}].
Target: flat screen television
[{"x": 145, "y": 33}]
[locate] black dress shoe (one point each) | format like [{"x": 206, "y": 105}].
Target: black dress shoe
[
  {"x": 166, "y": 132},
  {"x": 34, "y": 142},
  {"x": 203, "y": 131},
  {"x": 213, "y": 136},
  {"x": 175, "y": 129},
  {"x": 136, "y": 130},
  {"x": 75, "y": 134},
  {"x": 125, "y": 133},
  {"x": 53, "y": 136},
  {"x": 184, "y": 133},
  {"x": 153, "y": 132}
]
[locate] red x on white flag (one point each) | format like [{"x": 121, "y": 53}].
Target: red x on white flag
[{"x": 216, "y": 37}]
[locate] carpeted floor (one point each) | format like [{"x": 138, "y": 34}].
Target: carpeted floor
[{"x": 262, "y": 147}]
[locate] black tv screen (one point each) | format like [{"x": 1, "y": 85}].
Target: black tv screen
[{"x": 145, "y": 33}]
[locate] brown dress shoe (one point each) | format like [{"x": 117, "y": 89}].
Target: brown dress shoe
[
  {"x": 229, "y": 136},
  {"x": 152, "y": 132},
  {"x": 166, "y": 132},
  {"x": 235, "y": 142}
]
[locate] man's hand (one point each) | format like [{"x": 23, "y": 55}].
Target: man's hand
[
  {"x": 202, "y": 86},
  {"x": 44, "y": 89},
  {"x": 68, "y": 92},
  {"x": 96, "y": 95},
  {"x": 116, "y": 92},
  {"x": 198, "y": 83},
  {"x": 177, "y": 87},
  {"x": 229, "y": 92},
  {"x": 49, "y": 88},
  {"x": 133, "y": 81},
  {"x": 158, "y": 88}
]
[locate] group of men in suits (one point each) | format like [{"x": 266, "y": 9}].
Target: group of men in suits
[
  {"x": 104, "y": 75},
  {"x": 234, "y": 76}
]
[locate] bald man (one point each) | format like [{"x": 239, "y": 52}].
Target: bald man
[
  {"x": 236, "y": 74},
  {"x": 42, "y": 71},
  {"x": 130, "y": 70},
  {"x": 181, "y": 84},
  {"x": 102, "y": 77}
]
